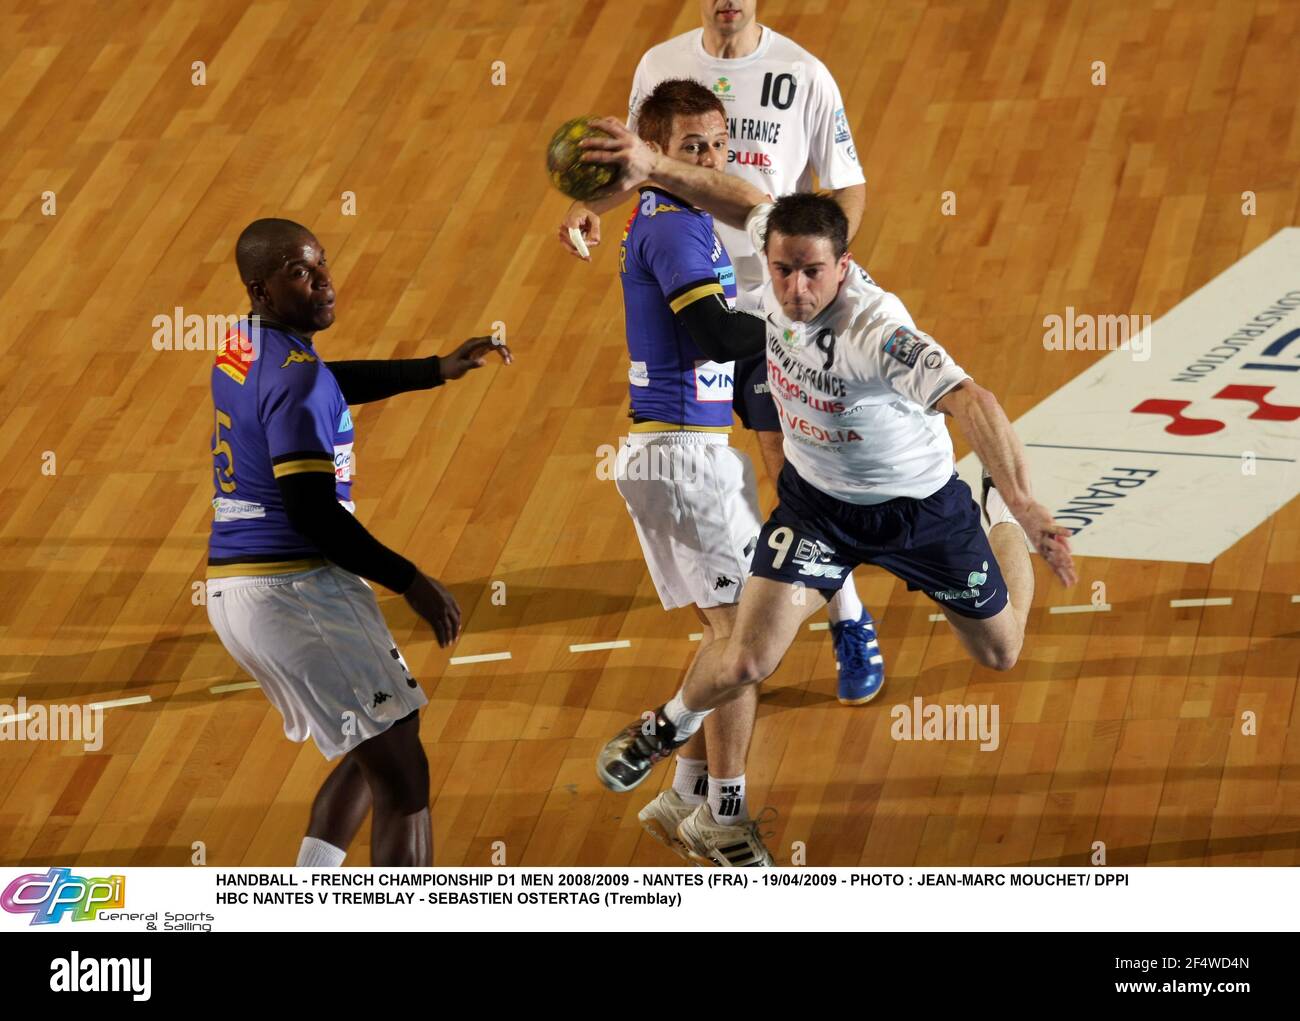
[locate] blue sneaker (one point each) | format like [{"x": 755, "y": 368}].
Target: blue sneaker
[{"x": 862, "y": 668}]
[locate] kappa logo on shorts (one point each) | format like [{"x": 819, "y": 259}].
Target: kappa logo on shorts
[
  {"x": 380, "y": 698},
  {"x": 723, "y": 582},
  {"x": 814, "y": 559},
  {"x": 905, "y": 345}
]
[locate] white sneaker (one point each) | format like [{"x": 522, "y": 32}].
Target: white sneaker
[
  {"x": 660, "y": 819},
  {"x": 708, "y": 842}
]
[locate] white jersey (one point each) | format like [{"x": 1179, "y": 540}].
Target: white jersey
[
  {"x": 856, "y": 388},
  {"x": 785, "y": 118}
]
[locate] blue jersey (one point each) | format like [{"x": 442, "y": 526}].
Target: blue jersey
[
  {"x": 670, "y": 257},
  {"x": 278, "y": 411}
]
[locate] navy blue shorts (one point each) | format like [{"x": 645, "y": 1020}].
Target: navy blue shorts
[
  {"x": 936, "y": 545},
  {"x": 751, "y": 398}
]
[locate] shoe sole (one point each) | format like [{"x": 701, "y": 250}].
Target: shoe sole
[
  {"x": 698, "y": 859},
  {"x": 660, "y": 833},
  {"x": 617, "y": 786},
  {"x": 861, "y": 701}
]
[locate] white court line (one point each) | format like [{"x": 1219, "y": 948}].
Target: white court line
[
  {"x": 821, "y": 625},
  {"x": 1081, "y": 608},
  {"x": 597, "y": 646},
  {"x": 1216, "y": 601},
  {"x": 936, "y": 617},
  {"x": 221, "y": 689},
  {"x": 117, "y": 702},
  {"x": 695, "y": 636},
  {"x": 1295, "y": 599},
  {"x": 487, "y": 657}
]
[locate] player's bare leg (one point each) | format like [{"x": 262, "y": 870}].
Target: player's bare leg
[
  {"x": 853, "y": 630},
  {"x": 996, "y": 642},
  {"x": 397, "y": 772},
  {"x": 766, "y": 623},
  {"x": 720, "y": 832},
  {"x": 711, "y": 765},
  {"x": 337, "y": 813}
]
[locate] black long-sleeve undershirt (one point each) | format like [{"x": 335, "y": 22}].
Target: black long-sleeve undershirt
[
  {"x": 374, "y": 379},
  {"x": 315, "y": 512},
  {"x": 722, "y": 333}
]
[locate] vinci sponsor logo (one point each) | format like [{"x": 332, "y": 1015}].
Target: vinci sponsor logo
[
  {"x": 714, "y": 381},
  {"x": 47, "y": 898}
]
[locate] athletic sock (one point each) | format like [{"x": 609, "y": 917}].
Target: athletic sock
[
  {"x": 999, "y": 512},
  {"x": 727, "y": 800},
  {"x": 691, "y": 781},
  {"x": 318, "y": 854},
  {"x": 685, "y": 721},
  {"x": 845, "y": 604}
]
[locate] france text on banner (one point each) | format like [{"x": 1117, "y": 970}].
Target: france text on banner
[{"x": 1178, "y": 455}]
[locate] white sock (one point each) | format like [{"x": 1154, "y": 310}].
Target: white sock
[
  {"x": 998, "y": 510},
  {"x": 845, "y": 604},
  {"x": 691, "y": 781},
  {"x": 1000, "y": 514},
  {"x": 318, "y": 854},
  {"x": 686, "y": 721},
  {"x": 727, "y": 800}
]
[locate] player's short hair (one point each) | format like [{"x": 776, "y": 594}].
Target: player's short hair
[
  {"x": 807, "y": 214},
  {"x": 675, "y": 97},
  {"x": 260, "y": 246}
]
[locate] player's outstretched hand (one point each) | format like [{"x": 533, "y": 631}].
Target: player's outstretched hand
[
  {"x": 1049, "y": 539},
  {"x": 586, "y": 223},
  {"x": 472, "y": 355},
  {"x": 436, "y": 606},
  {"x": 636, "y": 159}
]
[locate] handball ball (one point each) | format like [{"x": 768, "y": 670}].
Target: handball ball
[{"x": 564, "y": 164}]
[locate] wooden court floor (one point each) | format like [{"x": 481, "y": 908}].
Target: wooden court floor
[{"x": 1121, "y": 727}]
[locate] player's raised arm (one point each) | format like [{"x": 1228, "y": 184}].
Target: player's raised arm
[
  {"x": 727, "y": 197},
  {"x": 375, "y": 379},
  {"x": 981, "y": 420}
]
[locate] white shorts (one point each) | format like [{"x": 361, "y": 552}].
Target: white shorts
[
  {"x": 318, "y": 646},
  {"x": 694, "y": 502}
]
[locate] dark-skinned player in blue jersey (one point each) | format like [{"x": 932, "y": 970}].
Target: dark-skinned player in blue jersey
[{"x": 287, "y": 559}]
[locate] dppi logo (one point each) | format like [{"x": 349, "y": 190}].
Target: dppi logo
[
  {"x": 1185, "y": 425},
  {"x": 47, "y": 898}
]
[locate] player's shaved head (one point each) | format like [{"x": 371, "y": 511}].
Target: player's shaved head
[
  {"x": 674, "y": 97},
  {"x": 264, "y": 246},
  {"x": 283, "y": 269},
  {"x": 805, "y": 214}
]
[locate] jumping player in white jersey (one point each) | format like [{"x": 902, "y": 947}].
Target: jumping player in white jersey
[
  {"x": 786, "y": 121},
  {"x": 869, "y": 475}
]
